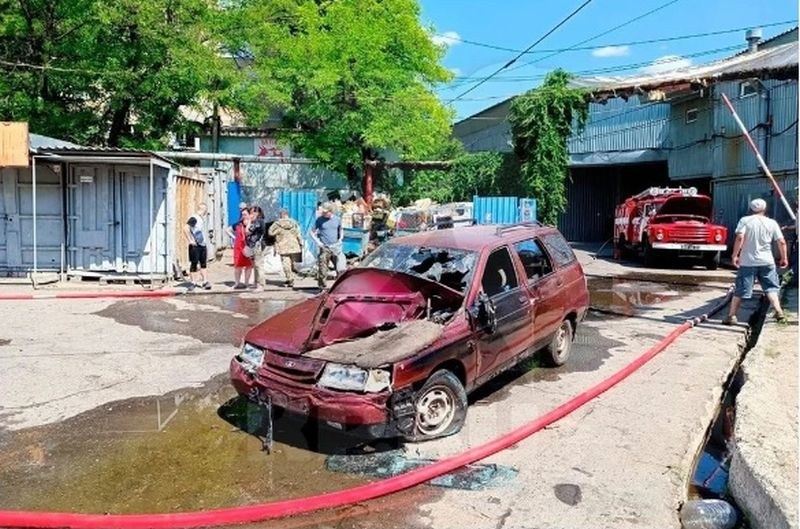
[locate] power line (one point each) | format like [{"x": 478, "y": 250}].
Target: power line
[
  {"x": 512, "y": 61},
  {"x": 612, "y": 69},
  {"x": 604, "y": 33},
  {"x": 630, "y": 43}
]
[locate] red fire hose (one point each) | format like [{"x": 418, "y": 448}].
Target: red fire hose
[{"x": 278, "y": 509}]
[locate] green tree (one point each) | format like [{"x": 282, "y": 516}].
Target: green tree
[
  {"x": 353, "y": 78},
  {"x": 542, "y": 121},
  {"x": 109, "y": 72}
]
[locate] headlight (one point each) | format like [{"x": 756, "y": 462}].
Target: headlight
[
  {"x": 659, "y": 235},
  {"x": 337, "y": 376},
  {"x": 718, "y": 237},
  {"x": 251, "y": 357}
]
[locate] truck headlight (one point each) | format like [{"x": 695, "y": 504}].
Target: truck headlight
[
  {"x": 659, "y": 235},
  {"x": 251, "y": 357},
  {"x": 352, "y": 378},
  {"x": 717, "y": 237}
]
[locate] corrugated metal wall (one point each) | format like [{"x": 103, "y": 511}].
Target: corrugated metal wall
[
  {"x": 691, "y": 143},
  {"x": 594, "y": 192},
  {"x": 620, "y": 125},
  {"x": 109, "y": 224},
  {"x": 495, "y": 210},
  {"x": 776, "y": 100},
  {"x": 16, "y": 218},
  {"x": 732, "y": 198}
]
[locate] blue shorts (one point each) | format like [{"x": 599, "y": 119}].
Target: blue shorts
[{"x": 746, "y": 276}]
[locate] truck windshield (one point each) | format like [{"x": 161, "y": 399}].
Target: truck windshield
[
  {"x": 451, "y": 268},
  {"x": 686, "y": 207}
]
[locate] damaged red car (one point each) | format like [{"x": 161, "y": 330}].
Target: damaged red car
[{"x": 396, "y": 344}]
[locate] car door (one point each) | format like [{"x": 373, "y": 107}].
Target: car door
[
  {"x": 544, "y": 285},
  {"x": 511, "y": 304}
]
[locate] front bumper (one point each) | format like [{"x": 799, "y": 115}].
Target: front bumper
[
  {"x": 689, "y": 247},
  {"x": 340, "y": 407}
]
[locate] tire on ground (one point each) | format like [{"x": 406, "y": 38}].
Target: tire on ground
[
  {"x": 440, "y": 407},
  {"x": 557, "y": 352}
]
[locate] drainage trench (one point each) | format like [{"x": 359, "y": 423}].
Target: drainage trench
[{"x": 709, "y": 480}]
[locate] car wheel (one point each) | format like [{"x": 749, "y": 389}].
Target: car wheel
[
  {"x": 712, "y": 261},
  {"x": 440, "y": 407},
  {"x": 558, "y": 350}
]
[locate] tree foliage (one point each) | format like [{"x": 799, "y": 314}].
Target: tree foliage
[
  {"x": 469, "y": 174},
  {"x": 353, "y": 78},
  {"x": 542, "y": 121},
  {"x": 108, "y": 72}
]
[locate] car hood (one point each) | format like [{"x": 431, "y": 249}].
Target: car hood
[
  {"x": 692, "y": 205},
  {"x": 360, "y": 303}
]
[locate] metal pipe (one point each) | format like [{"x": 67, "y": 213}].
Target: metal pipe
[
  {"x": 760, "y": 159},
  {"x": 221, "y": 157},
  {"x": 153, "y": 228},
  {"x": 35, "y": 252}
]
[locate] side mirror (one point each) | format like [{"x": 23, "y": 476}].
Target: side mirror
[{"x": 484, "y": 314}]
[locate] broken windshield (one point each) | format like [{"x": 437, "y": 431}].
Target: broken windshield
[{"x": 451, "y": 268}]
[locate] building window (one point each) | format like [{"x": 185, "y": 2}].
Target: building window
[
  {"x": 691, "y": 115},
  {"x": 747, "y": 88}
]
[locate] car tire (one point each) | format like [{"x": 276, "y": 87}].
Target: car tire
[
  {"x": 557, "y": 352},
  {"x": 712, "y": 261},
  {"x": 440, "y": 407}
]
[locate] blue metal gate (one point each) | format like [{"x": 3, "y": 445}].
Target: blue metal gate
[{"x": 302, "y": 207}]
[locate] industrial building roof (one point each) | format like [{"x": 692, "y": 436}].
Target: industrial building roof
[{"x": 782, "y": 58}]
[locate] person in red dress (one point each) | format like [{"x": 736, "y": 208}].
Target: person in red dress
[{"x": 242, "y": 265}]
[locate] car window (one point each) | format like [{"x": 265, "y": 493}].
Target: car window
[
  {"x": 499, "y": 275},
  {"x": 451, "y": 268},
  {"x": 559, "y": 248},
  {"x": 534, "y": 259}
]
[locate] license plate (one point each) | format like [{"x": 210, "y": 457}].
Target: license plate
[{"x": 691, "y": 246}]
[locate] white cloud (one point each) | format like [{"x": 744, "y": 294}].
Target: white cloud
[
  {"x": 448, "y": 38},
  {"x": 456, "y": 71},
  {"x": 667, "y": 63},
  {"x": 612, "y": 51}
]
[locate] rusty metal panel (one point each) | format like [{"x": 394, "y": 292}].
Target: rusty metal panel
[
  {"x": 190, "y": 192},
  {"x": 14, "y": 144}
]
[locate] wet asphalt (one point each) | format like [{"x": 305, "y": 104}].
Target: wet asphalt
[{"x": 200, "y": 448}]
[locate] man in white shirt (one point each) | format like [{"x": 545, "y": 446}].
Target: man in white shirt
[
  {"x": 195, "y": 233},
  {"x": 752, "y": 255}
]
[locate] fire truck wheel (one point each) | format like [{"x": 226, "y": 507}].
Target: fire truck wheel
[
  {"x": 649, "y": 254},
  {"x": 712, "y": 260}
]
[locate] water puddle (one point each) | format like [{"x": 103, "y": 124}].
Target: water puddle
[
  {"x": 181, "y": 451},
  {"x": 210, "y": 319},
  {"x": 631, "y": 297}
]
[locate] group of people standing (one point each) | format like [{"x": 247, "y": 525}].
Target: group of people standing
[{"x": 252, "y": 236}]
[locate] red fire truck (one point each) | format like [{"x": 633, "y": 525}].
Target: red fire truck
[{"x": 662, "y": 221}]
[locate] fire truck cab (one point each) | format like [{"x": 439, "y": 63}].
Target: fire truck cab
[{"x": 661, "y": 222}]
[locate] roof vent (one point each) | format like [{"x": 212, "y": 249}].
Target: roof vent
[{"x": 753, "y": 37}]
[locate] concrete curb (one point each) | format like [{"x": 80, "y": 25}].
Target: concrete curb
[{"x": 763, "y": 474}]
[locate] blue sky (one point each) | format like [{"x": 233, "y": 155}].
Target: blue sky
[{"x": 518, "y": 23}]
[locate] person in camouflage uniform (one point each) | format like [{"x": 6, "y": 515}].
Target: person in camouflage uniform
[{"x": 288, "y": 243}]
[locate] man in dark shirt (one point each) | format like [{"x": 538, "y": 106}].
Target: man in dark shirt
[{"x": 328, "y": 234}]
